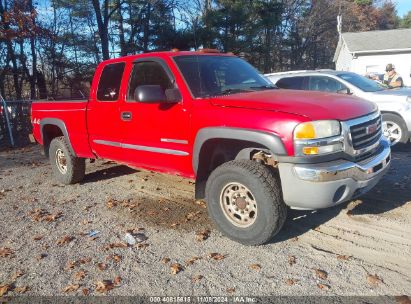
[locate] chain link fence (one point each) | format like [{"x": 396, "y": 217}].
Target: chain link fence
[{"x": 15, "y": 123}]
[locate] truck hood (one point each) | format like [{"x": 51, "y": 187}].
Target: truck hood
[{"x": 313, "y": 105}]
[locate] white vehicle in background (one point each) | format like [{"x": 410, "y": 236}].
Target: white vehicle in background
[{"x": 394, "y": 104}]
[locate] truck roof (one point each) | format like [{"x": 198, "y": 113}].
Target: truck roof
[{"x": 172, "y": 53}]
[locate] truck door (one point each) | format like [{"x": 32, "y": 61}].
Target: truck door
[
  {"x": 103, "y": 113},
  {"x": 155, "y": 135}
]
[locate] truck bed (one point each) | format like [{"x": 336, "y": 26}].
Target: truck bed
[{"x": 69, "y": 113}]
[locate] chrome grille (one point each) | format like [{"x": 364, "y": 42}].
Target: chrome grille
[{"x": 366, "y": 133}]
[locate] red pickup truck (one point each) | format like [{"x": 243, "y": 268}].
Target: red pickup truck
[{"x": 253, "y": 149}]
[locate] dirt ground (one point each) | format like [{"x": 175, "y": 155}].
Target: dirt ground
[{"x": 49, "y": 245}]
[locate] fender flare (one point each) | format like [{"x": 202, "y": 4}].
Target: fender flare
[
  {"x": 58, "y": 123},
  {"x": 269, "y": 140}
]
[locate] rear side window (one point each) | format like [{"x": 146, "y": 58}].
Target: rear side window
[
  {"x": 325, "y": 84},
  {"x": 148, "y": 73},
  {"x": 292, "y": 83},
  {"x": 110, "y": 81}
]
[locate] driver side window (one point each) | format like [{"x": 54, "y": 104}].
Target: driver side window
[
  {"x": 325, "y": 84},
  {"x": 148, "y": 73}
]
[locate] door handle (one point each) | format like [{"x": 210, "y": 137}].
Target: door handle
[{"x": 126, "y": 116}]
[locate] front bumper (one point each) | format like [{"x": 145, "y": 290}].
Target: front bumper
[{"x": 315, "y": 186}]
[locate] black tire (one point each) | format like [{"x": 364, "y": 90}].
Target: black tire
[
  {"x": 264, "y": 185},
  {"x": 75, "y": 166},
  {"x": 389, "y": 118}
]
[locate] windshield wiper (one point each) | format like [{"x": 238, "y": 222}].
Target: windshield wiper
[
  {"x": 265, "y": 87},
  {"x": 231, "y": 91}
]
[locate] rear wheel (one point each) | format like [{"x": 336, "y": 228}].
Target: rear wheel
[
  {"x": 394, "y": 128},
  {"x": 245, "y": 201},
  {"x": 67, "y": 168}
]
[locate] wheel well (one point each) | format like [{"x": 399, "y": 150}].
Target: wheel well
[
  {"x": 49, "y": 133},
  {"x": 215, "y": 152},
  {"x": 396, "y": 114}
]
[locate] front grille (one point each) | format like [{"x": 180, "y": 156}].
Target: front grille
[
  {"x": 366, "y": 133},
  {"x": 368, "y": 154}
]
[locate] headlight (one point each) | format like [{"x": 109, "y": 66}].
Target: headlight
[
  {"x": 317, "y": 129},
  {"x": 318, "y": 137},
  {"x": 409, "y": 98}
]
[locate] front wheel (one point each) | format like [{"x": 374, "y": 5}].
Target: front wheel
[
  {"x": 394, "y": 128},
  {"x": 67, "y": 168},
  {"x": 245, "y": 201}
]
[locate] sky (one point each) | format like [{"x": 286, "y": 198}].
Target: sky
[{"x": 403, "y": 7}]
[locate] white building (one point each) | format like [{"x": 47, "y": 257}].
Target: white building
[{"x": 370, "y": 52}]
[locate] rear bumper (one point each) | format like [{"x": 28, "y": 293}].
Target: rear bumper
[{"x": 315, "y": 186}]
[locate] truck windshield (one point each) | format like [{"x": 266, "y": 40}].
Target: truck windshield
[
  {"x": 361, "y": 82},
  {"x": 209, "y": 76}
]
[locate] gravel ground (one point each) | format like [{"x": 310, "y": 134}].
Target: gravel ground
[{"x": 360, "y": 248}]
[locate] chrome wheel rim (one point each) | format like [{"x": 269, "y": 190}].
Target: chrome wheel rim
[
  {"x": 238, "y": 204},
  {"x": 392, "y": 131},
  {"x": 61, "y": 161}
]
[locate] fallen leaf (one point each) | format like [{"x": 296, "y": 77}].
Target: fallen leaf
[
  {"x": 115, "y": 257},
  {"x": 176, "y": 268},
  {"x": 403, "y": 300},
  {"x": 202, "y": 235},
  {"x": 321, "y": 274},
  {"x": 343, "y": 257},
  {"x": 85, "y": 260},
  {"x": 104, "y": 286},
  {"x": 71, "y": 288},
  {"x": 16, "y": 275},
  {"x": 323, "y": 286},
  {"x": 86, "y": 291},
  {"x": 202, "y": 204},
  {"x": 65, "y": 240},
  {"x": 4, "y": 289},
  {"x": 70, "y": 265},
  {"x": 290, "y": 282},
  {"x": 111, "y": 203},
  {"x": 192, "y": 260},
  {"x": 256, "y": 267},
  {"x": 142, "y": 246},
  {"x": 52, "y": 217},
  {"x": 101, "y": 266},
  {"x": 6, "y": 252},
  {"x": 374, "y": 279},
  {"x": 216, "y": 256},
  {"x": 21, "y": 289},
  {"x": 197, "y": 278},
  {"x": 230, "y": 290},
  {"x": 38, "y": 238},
  {"x": 291, "y": 260},
  {"x": 80, "y": 275},
  {"x": 117, "y": 280},
  {"x": 165, "y": 260}
]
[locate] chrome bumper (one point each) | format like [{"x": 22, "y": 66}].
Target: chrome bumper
[
  {"x": 361, "y": 171},
  {"x": 323, "y": 185}
]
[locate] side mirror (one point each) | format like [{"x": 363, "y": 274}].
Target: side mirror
[
  {"x": 344, "y": 91},
  {"x": 149, "y": 94},
  {"x": 155, "y": 94}
]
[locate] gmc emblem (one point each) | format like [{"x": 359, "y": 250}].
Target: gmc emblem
[{"x": 371, "y": 129}]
